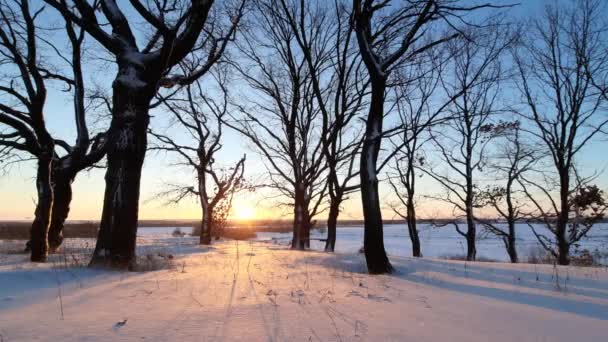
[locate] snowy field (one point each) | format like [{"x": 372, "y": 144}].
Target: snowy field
[
  {"x": 256, "y": 291},
  {"x": 436, "y": 242}
]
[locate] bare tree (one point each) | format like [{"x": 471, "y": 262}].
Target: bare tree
[
  {"x": 388, "y": 36},
  {"x": 23, "y": 111},
  {"x": 326, "y": 40},
  {"x": 419, "y": 109},
  {"x": 201, "y": 116},
  {"x": 83, "y": 154},
  {"x": 282, "y": 119},
  {"x": 461, "y": 142},
  {"x": 508, "y": 164},
  {"x": 558, "y": 61},
  {"x": 23, "y": 98},
  {"x": 142, "y": 68}
]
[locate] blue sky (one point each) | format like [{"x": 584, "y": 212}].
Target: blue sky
[{"x": 17, "y": 188}]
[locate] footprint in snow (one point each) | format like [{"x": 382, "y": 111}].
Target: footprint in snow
[{"x": 119, "y": 325}]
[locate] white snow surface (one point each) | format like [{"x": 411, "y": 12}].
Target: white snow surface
[{"x": 257, "y": 291}]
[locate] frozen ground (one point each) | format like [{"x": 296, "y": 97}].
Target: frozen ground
[
  {"x": 253, "y": 291},
  {"x": 436, "y": 242}
]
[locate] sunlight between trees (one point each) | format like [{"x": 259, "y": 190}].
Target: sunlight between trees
[{"x": 337, "y": 98}]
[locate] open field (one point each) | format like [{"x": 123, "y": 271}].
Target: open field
[
  {"x": 20, "y": 230},
  {"x": 442, "y": 243},
  {"x": 252, "y": 291}
]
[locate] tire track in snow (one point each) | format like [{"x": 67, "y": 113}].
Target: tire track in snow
[
  {"x": 358, "y": 326},
  {"x": 274, "y": 333}
]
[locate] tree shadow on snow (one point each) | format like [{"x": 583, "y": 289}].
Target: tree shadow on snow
[
  {"x": 488, "y": 281},
  {"x": 539, "y": 289}
]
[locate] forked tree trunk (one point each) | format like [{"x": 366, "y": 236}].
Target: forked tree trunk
[
  {"x": 332, "y": 223},
  {"x": 373, "y": 240},
  {"x": 127, "y": 142},
  {"x": 412, "y": 228},
  {"x": 42, "y": 217},
  {"x": 62, "y": 197}
]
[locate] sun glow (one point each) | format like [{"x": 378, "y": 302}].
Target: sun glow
[{"x": 244, "y": 212}]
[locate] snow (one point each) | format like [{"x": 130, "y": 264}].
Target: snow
[
  {"x": 441, "y": 242},
  {"x": 256, "y": 291},
  {"x": 129, "y": 77}
]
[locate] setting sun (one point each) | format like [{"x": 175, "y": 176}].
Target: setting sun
[{"x": 244, "y": 212}]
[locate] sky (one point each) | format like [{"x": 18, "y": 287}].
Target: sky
[{"x": 18, "y": 193}]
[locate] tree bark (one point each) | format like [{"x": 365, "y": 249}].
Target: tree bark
[
  {"x": 373, "y": 239},
  {"x": 306, "y": 226},
  {"x": 563, "y": 246},
  {"x": 298, "y": 240},
  {"x": 206, "y": 226},
  {"x": 511, "y": 215},
  {"x": 42, "y": 217},
  {"x": 332, "y": 223},
  {"x": 127, "y": 143},
  {"x": 510, "y": 241},
  {"x": 412, "y": 229},
  {"x": 470, "y": 237},
  {"x": 62, "y": 191},
  {"x": 471, "y": 233},
  {"x": 205, "y": 236}
]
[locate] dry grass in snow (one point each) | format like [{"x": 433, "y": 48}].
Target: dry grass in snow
[{"x": 250, "y": 291}]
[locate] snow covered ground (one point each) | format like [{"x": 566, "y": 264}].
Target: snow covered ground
[
  {"x": 256, "y": 291},
  {"x": 436, "y": 242}
]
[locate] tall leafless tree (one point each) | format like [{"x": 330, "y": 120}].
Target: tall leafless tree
[
  {"x": 22, "y": 112},
  {"x": 512, "y": 159},
  {"x": 419, "y": 109},
  {"x": 461, "y": 142},
  {"x": 326, "y": 40},
  {"x": 75, "y": 158},
  {"x": 562, "y": 55},
  {"x": 282, "y": 120},
  {"x": 201, "y": 116},
  {"x": 390, "y": 33},
  {"x": 178, "y": 28},
  {"x": 558, "y": 61}
]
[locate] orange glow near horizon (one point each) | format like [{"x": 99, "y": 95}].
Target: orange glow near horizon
[{"x": 244, "y": 213}]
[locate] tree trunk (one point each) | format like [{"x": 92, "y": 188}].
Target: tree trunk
[
  {"x": 413, "y": 230},
  {"x": 62, "y": 197},
  {"x": 306, "y": 227},
  {"x": 511, "y": 218},
  {"x": 373, "y": 238},
  {"x": 470, "y": 236},
  {"x": 127, "y": 142},
  {"x": 206, "y": 226},
  {"x": 332, "y": 222},
  {"x": 563, "y": 246},
  {"x": 299, "y": 218},
  {"x": 511, "y": 247},
  {"x": 205, "y": 236},
  {"x": 42, "y": 217}
]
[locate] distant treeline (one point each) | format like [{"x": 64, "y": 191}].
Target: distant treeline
[{"x": 19, "y": 230}]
